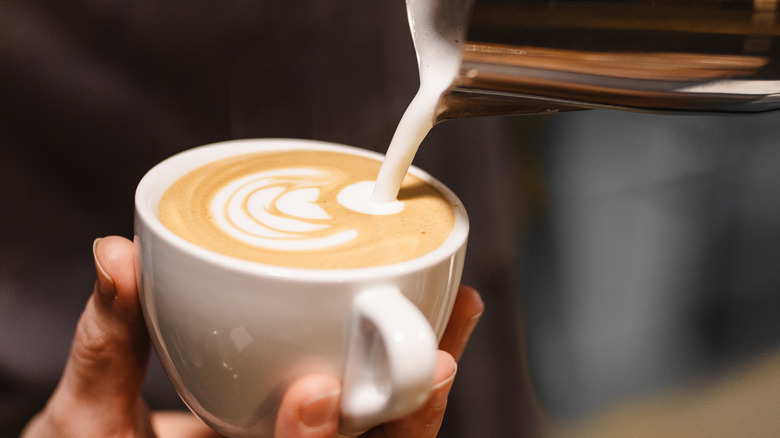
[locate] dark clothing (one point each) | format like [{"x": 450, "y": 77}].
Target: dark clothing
[
  {"x": 652, "y": 254},
  {"x": 92, "y": 94}
]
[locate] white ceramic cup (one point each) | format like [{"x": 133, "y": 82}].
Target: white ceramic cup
[{"x": 233, "y": 335}]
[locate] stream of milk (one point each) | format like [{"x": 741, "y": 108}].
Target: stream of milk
[{"x": 438, "y": 29}]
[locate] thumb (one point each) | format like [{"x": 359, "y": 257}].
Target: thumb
[{"x": 99, "y": 393}]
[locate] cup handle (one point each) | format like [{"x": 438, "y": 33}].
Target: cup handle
[{"x": 390, "y": 360}]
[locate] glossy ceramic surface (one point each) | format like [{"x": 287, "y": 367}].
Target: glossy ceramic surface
[{"x": 233, "y": 334}]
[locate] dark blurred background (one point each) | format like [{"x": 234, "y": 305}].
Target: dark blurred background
[
  {"x": 618, "y": 254},
  {"x": 652, "y": 269}
]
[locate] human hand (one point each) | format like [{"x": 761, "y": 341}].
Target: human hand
[{"x": 99, "y": 393}]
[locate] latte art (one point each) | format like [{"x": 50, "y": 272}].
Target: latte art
[
  {"x": 278, "y": 210},
  {"x": 309, "y": 209}
]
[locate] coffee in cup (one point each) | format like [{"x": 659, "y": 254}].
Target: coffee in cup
[
  {"x": 305, "y": 209},
  {"x": 233, "y": 331}
]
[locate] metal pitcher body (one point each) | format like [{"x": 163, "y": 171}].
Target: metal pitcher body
[{"x": 537, "y": 56}]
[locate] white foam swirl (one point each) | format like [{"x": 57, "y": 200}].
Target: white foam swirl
[
  {"x": 277, "y": 210},
  {"x": 357, "y": 197}
]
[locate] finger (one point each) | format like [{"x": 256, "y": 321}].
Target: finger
[
  {"x": 179, "y": 424},
  {"x": 425, "y": 422},
  {"x": 466, "y": 312},
  {"x": 110, "y": 350},
  {"x": 310, "y": 409},
  {"x": 99, "y": 393}
]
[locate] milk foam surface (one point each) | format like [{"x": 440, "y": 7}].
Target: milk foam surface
[
  {"x": 357, "y": 197},
  {"x": 305, "y": 209},
  {"x": 277, "y": 210}
]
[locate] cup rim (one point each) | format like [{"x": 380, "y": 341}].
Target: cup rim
[{"x": 175, "y": 166}]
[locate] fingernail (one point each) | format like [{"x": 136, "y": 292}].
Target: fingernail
[
  {"x": 105, "y": 285},
  {"x": 438, "y": 400},
  {"x": 473, "y": 321},
  {"x": 449, "y": 378},
  {"x": 321, "y": 411},
  {"x": 469, "y": 327}
]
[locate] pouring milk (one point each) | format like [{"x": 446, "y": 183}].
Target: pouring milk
[{"x": 438, "y": 30}]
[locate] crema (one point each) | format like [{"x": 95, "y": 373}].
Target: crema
[{"x": 305, "y": 209}]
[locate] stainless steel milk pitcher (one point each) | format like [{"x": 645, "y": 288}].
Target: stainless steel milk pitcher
[{"x": 537, "y": 56}]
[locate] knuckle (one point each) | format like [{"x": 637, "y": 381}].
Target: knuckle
[{"x": 91, "y": 348}]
